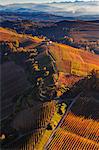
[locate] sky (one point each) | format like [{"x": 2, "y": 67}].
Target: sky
[{"x": 4, "y": 2}]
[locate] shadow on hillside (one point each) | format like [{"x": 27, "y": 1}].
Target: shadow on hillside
[{"x": 87, "y": 103}]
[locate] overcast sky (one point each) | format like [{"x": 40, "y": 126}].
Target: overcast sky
[{"x": 3, "y": 2}]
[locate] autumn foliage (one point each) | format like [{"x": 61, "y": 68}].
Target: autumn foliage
[
  {"x": 72, "y": 60},
  {"x": 75, "y": 132}
]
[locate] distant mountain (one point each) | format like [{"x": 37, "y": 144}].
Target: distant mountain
[{"x": 66, "y": 9}]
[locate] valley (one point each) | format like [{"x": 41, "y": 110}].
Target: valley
[
  {"x": 48, "y": 70},
  {"x": 49, "y": 78},
  {"x": 76, "y": 33}
]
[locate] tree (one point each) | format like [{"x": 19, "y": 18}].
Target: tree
[
  {"x": 16, "y": 43},
  {"x": 49, "y": 127}
]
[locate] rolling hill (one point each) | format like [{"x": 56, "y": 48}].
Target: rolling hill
[
  {"x": 21, "y": 88},
  {"x": 77, "y": 33},
  {"x": 10, "y": 35},
  {"x": 46, "y": 66},
  {"x": 72, "y": 60},
  {"x": 64, "y": 59},
  {"x": 79, "y": 125}
]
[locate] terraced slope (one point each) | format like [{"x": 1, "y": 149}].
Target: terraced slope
[
  {"x": 72, "y": 60},
  {"x": 32, "y": 123},
  {"x": 35, "y": 117},
  {"x": 28, "y": 115},
  {"x": 64, "y": 140},
  {"x": 86, "y": 128},
  {"x": 79, "y": 128},
  {"x": 39, "y": 64}
]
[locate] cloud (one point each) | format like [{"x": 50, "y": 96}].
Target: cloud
[
  {"x": 77, "y": 7},
  {"x": 64, "y": 9}
]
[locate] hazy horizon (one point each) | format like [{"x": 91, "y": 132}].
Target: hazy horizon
[{"x": 39, "y": 1}]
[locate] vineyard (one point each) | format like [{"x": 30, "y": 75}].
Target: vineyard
[
  {"x": 86, "y": 128},
  {"x": 64, "y": 140},
  {"x": 28, "y": 141},
  {"x": 33, "y": 126},
  {"x": 72, "y": 60},
  {"x": 28, "y": 91},
  {"x": 79, "y": 128},
  {"x": 87, "y": 106},
  {"x": 35, "y": 117}
]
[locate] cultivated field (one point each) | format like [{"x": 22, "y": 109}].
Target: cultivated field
[
  {"x": 77, "y": 130},
  {"x": 72, "y": 60}
]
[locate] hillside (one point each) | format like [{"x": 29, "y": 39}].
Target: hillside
[
  {"x": 11, "y": 35},
  {"x": 20, "y": 87},
  {"x": 49, "y": 79},
  {"x": 72, "y": 60},
  {"x": 79, "y": 125},
  {"x": 76, "y": 129},
  {"x": 65, "y": 62},
  {"x": 77, "y": 33},
  {"x": 13, "y": 82},
  {"x": 72, "y": 65},
  {"x": 39, "y": 71}
]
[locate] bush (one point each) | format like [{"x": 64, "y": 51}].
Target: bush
[{"x": 49, "y": 127}]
